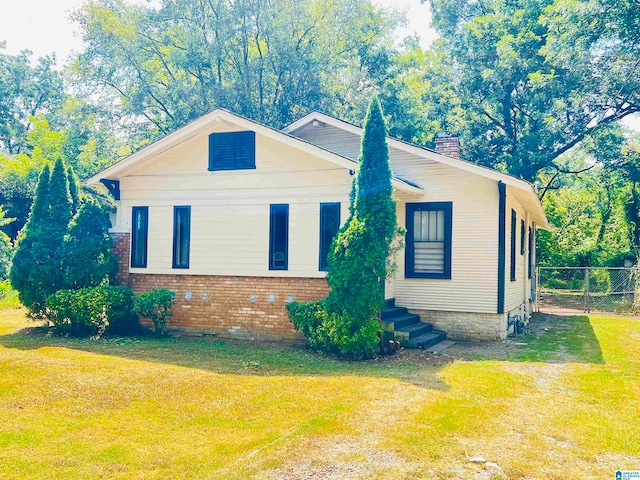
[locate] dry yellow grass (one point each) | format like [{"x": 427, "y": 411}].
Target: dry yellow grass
[{"x": 147, "y": 408}]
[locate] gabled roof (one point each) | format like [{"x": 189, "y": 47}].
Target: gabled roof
[
  {"x": 524, "y": 190},
  {"x": 201, "y": 124}
]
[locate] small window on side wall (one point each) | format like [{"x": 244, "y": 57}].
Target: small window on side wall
[
  {"x": 329, "y": 226},
  {"x": 522, "y": 237},
  {"x": 232, "y": 151},
  {"x": 279, "y": 237},
  {"x": 139, "y": 236},
  {"x": 181, "y": 236},
  {"x": 428, "y": 245}
]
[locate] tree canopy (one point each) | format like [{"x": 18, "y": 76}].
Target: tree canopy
[
  {"x": 270, "y": 61},
  {"x": 534, "y": 78}
]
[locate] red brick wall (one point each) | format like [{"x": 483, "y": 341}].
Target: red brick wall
[
  {"x": 121, "y": 250},
  {"x": 249, "y": 307}
]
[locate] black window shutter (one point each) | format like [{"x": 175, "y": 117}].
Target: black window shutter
[
  {"x": 232, "y": 151},
  {"x": 220, "y": 151},
  {"x": 139, "y": 236},
  {"x": 329, "y": 226},
  {"x": 244, "y": 150}
]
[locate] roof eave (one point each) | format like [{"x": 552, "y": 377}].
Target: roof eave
[{"x": 116, "y": 171}]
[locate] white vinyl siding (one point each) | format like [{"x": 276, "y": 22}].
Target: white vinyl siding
[
  {"x": 515, "y": 291},
  {"x": 230, "y": 217},
  {"x": 473, "y": 285},
  {"x": 230, "y": 209}
]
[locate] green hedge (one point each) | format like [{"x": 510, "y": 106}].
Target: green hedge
[{"x": 92, "y": 311}]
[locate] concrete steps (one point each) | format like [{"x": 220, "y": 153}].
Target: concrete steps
[{"x": 408, "y": 329}]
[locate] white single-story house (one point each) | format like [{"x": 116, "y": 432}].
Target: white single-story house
[{"x": 237, "y": 219}]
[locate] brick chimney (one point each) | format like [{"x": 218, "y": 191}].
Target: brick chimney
[{"x": 448, "y": 144}]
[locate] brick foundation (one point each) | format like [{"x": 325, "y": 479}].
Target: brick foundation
[
  {"x": 228, "y": 306},
  {"x": 121, "y": 250},
  {"x": 254, "y": 307},
  {"x": 468, "y": 326}
]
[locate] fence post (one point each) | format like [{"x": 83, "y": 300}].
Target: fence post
[{"x": 586, "y": 289}]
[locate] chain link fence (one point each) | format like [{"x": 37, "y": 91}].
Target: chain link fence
[{"x": 589, "y": 289}]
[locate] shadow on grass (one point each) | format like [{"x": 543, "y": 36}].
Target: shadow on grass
[
  {"x": 548, "y": 338},
  {"x": 233, "y": 357},
  {"x": 559, "y": 339}
]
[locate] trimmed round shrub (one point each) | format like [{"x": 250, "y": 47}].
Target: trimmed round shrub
[
  {"x": 91, "y": 311},
  {"x": 156, "y": 305}
]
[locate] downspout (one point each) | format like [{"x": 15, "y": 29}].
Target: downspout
[
  {"x": 526, "y": 283},
  {"x": 535, "y": 281},
  {"x": 502, "y": 225}
]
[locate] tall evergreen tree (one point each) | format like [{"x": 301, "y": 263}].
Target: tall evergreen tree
[
  {"x": 359, "y": 260},
  {"x": 346, "y": 321},
  {"x": 375, "y": 206},
  {"x": 74, "y": 189},
  {"x": 29, "y": 275},
  {"x": 37, "y": 270},
  {"x": 87, "y": 259},
  {"x": 61, "y": 207}
]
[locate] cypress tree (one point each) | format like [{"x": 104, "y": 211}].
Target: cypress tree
[
  {"x": 61, "y": 207},
  {"x": 74, "y": 190},
  {"x": 30, "y": 259},
  {"x": 346, "y": 321},
  {"x": 60, "y": 203},
  {"x": 375, "y": 206},
  {"x": 87, "y": 259},
  {"x": 37, "y": 269},
  {"x": 359, "y": 259}
]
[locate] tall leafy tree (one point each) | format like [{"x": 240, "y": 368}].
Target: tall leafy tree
[
  {"x": 26, "y": 90},
  {"x": 83, "y": 150},
  {"x": 533, "y": 79},
  {"x": 270, "y": 61}
]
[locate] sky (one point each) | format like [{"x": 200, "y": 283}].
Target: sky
[{"x": 44, "y": 27}]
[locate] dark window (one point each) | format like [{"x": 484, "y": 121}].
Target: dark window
[
  {"x": 279, "y": 237},
  {"x": 232, "y": 151},
  {"x": 514, "y": 220},
  {"x": 522, "y": 237},
  {"x": 428, "y": 252},
  {"x": 329, "y": 226},
  {"x": 181, "y": 236},
  {"x": 530, "y": 260},
  {"x": 139, "y": 236}
]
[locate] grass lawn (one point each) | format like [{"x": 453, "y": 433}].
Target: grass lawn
[{"x": 564, "y": 402}]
